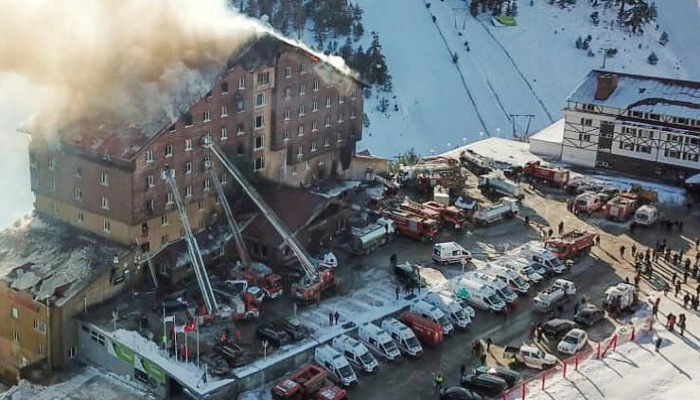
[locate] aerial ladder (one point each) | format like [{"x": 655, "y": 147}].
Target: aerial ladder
[
  {"x": 235, "y": 231},
  {"x": 193, "y": 247},
  {"x": 151, "y": 267},
  {"x": 312, "y": 282}
]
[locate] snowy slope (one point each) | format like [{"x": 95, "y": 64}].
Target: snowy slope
[{"x": 528, "y": 69}]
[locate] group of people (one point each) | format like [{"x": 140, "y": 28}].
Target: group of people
[{"x": 671, "y": 322}]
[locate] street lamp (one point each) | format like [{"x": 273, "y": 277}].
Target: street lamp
[{"x": 498, "y": 132}]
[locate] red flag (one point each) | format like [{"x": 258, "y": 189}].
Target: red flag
[{"x": 191, "y": 326}]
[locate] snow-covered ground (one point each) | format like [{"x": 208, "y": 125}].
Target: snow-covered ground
[
  {"x": 528, "y": 69},
  {"x": 635, "y": 370}
]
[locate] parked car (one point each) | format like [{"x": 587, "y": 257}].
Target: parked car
[
  {"x": 294, "y": 329},
  {"x": 171, "y": 305},
  {"x": 273, "y": 333},
  {"x": 556, "y": 328},
  {"x": 216, "y": 364},
  {"x": 608, "y": 193},
  {"x": 486, "y": 385},
  {"x": 589, "y": 315},
  {"x": 511, "y": 377},
  {"x": 458, "y": 393},
  {"x": 573, "y": 341}
]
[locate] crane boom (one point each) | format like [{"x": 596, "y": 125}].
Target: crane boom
[
  {"x": 193, "y": 247},
  {"x": 235, "y": 231},
  {"x": 151, "y": 267},
  {"x": 309, "y": 268}
]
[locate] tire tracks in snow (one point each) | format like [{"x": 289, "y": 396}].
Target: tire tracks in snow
[
  {"x": 517, "y": 69},
  {"x": 461, "y": 75}
]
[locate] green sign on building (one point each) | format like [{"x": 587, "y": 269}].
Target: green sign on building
[
  {"x": 123, "y": 353},
  {"x": 153, "y": 370}
]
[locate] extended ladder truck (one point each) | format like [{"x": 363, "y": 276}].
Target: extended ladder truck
[
  {"x": 255, "y": 273},
  {"x": 316, "y": 279},
  {"x": 193, "y": 248}
]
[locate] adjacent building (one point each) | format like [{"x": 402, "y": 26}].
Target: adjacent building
[
  {"x": 278, "y": 110},
  {"x": 634, "y": 124}
]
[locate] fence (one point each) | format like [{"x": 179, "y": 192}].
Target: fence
[{"x": 638, "y": 328}]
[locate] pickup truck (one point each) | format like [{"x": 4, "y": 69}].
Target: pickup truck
[{"x": 530, "y": 357}]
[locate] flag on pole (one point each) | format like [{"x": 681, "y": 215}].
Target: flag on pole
[
  {"x": 191, "y": 326},
  {"x": 170, "y": 318},
  {"x": 180, "y": 328}
]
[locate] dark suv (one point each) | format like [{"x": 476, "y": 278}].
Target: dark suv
[
  {"x": 274, "y": 334},
  {"x": 294, "y": 329}
]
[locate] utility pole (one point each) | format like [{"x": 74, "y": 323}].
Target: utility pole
[
  {"x": 529, "y": 120},
  {"x": 466, "y": 14}
]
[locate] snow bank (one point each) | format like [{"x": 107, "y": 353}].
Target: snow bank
[{"x": 500, "y": 150}]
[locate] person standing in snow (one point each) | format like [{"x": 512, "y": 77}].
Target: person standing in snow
[
  {"x": 622, "y": 251},
  {"x": 678, "y": 288},
  {"x": 681, "y": 323},
  {"x": 671, "y": 322},
  {"x": 634, "y": 250},
  {"x": 686, "y": 299},
  {"x": 561, "y": 227},
  {"x": 657, "y": 344}
]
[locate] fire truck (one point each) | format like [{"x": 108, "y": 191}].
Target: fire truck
[
  {"x": 557, "y": 177},
  {"x": 448, "y": 214},
  {"x": 417, "y": 208},
  {"x": 413, "y": 226},
  {"x": 621, "y": 207},
  {"x": 317, "y": 276},
  {"x": 260, "y": 275},
  {"x": 308, "y": 383},
  {"x": 571, "y": 244}
]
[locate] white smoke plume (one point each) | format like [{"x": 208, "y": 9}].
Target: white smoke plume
[{"x": 133, "y": 60}]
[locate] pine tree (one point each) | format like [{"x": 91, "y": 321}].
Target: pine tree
[
  {"x": 663, "y": 39},
  {"x": 346, "y": 50},
  {"x": 358, "y": 31},
  {"x": 474, "y": 8},
  {"x": 376, "y": 69},
  {"x": 652, "y": 59}
]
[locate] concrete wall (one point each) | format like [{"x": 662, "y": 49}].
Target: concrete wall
[{"x": 546, "y": 149}]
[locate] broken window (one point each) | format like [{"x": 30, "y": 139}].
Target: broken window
[
  {"x": 188, "y": 119},
  {"x": 240, "y": 130},
  {"x": 241, "y": 149},
  {"x": 259, "y": 121},
  {"x": 240, "y": 104},
  {"x": 259, "y": 163},
  {"x": 263, "y": 78},
  {"x": 224, "y": 87},
  {"x": 258, "y": 143}
]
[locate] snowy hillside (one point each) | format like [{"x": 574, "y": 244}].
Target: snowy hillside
[{"x": 528, "y": 69}]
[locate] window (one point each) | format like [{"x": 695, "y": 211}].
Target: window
[
  {"x": 314, "y": 106},
  {"x": 200, "y": 205},
  {"x": 78, "y": 194},
  {"x": 302, "y": 89},
  {"x": 629, "y": 146},
  {"x": 54, "y": 208},
  {"x": 105, "y": 203},
  {"x": 314, "y": 126},
  {"x": 52, "y": 184},
  {"x": 584, "y": 137},
  {"x": 207, "y": 185},
  {"x": 240, "y": 104},
  {"x": 39, "y": 326},
  {"x": 340, "y": 118},
  {"x": 339, "y": 137},
  {"x": 240, "y": 130},
  {"x": 188, "y": 144},
  {"x": 149, "y": 156},
  {"x": 149, "y": 181},
  {"x": 258, "y": 142},
  {"x": 644, "y": 149},
  {"x": 241, "y": 83},
  {"x": 206, "y": 115},
  {"x": 72, "y": 352},
  {"x": 259, "y": 163},
  {"x": 302, "y": 68},
  {"x": 308, "y": 165},
  {"x": 188, "y": 191},
  {"x": 164, "y": 220},
  {"x": 151, "y": 205},
  {"x": 241, "y": 149},
  {"x": 300, "y": 151},
  {"x": 327, "y": 121},
  {"x": 287, "y": 93},
  {"x": 300, "y": 130},
  {"x": 316, "y": 85},
  {"x": 224, "y": 111},
  {"x": 259, "y": 121},
  {"x": 188, "y": 167},
  {"x": 15, "y": 336},
  {"x": 169, "y": 198},
  {"x": 224, "y": 88},
  {"x": 672, "y": 153},
  {"x": 286, "y": 134},
  {"x": 106, "y": 226},
  {"x": 52, "y": 163},
  {"x": 354, "y": 94},
  {"x": 260, "y": 100},
  {"x": 263, "y": 78},
  {"x": 352, "y": 114},
  {"x": 169, "y": 150},
  {"x": 302, "y": 111},
  {"x": 104, "y": 179},
  {"x": 607, "y": 128},
  {"x": 314, "y": 146},
  {"x": 341, "y": 99},
  {"x": 654, "y": 117},
  {"x": 329, "y": 102},
  {"x": 287, "y": 72},
  {"x": 326, "y": 142},
  {"x": 188, "y": 119},
  {"x": 287, "y": 115},
  {"x": 14, "y": 312},
  {"x": 224, "y": 134},
  {"x": 691, "y": 156},
  {"x": 586, "y": 122},
  {"x": 206, "y": 138},
  {"x": 589, "y": 107},
  {"x": 78, "y": 172},
  {"x": 42, "y": 350},
  {"x": 223, "y": 178},
  {"x": 80, "y": 217}
]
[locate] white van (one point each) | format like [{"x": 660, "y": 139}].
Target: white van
[
  {"x": 403, "y": 336},
  {"x": 450, "y": 253},
  {"x": 450, "y": 307},
  {"x": 523, "y": 268},
  {"x": 478, "y": 294},
  {"x": 356, "y": 353},
  {"x": 429, "y": 311},
  {"x": 336, "y": 365},
  {"x": 534, "y": 252},
  {"x": 378, "y": 341},
  {"x": 495, "y": 283},
  {"x": 646, "y": 215},
  {"x": 511, "y": 278}
]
